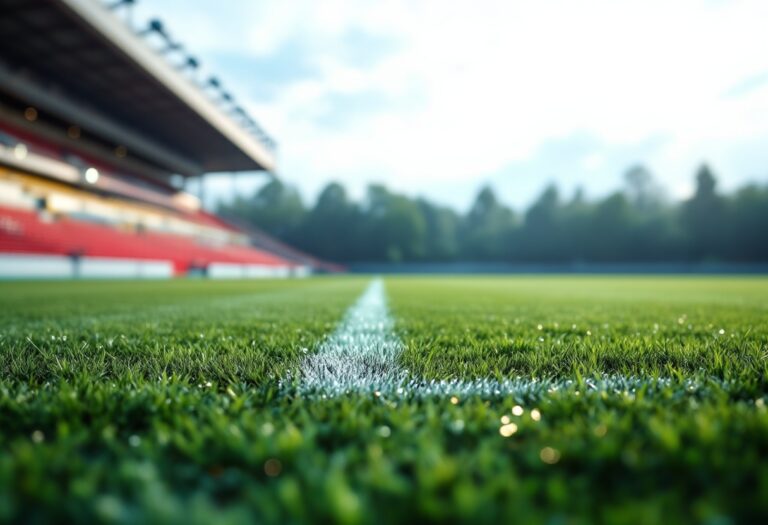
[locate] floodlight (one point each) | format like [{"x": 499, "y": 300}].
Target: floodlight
[
  {"x": 91, "y": 175},
  {"x": 20, "y": 151}
]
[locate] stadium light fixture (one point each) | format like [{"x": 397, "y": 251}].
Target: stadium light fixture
[
  {"x": 91, "y": 175},
  {"x": 191, "y": 63},
  {"x": 30, "y": 114},
  {"x": 20, "y": 151},
  {"x": 155, "y": 26}
]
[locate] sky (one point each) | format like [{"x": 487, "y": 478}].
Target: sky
[{"x": 437, "y": 98}]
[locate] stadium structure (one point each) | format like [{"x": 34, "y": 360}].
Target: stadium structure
[{"x": 102, "y": 125}]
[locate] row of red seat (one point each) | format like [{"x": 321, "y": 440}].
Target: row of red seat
[{"x": 23, "y": 231}]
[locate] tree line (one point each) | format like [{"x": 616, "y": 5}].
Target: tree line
[{"x": 634, "y": 224}]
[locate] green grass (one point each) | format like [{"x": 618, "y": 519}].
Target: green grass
[
  {"x": 190, "y": 331},
  {"x": 567, "y": 326},
  {"x": 133, "y": 402}
]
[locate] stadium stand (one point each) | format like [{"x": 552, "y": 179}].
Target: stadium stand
[{"x": 98, "y": 133}]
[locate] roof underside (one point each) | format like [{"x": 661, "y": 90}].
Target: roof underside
[{"x": 76, "y": 50}]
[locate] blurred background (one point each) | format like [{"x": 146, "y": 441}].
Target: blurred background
[{"x": 500, "y": 133}]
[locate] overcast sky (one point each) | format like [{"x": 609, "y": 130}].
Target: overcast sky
[{"x": 438, "y": 98}]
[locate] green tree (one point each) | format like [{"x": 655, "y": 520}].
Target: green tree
[
  {"x": 275, "y": 208},
  {"x": 611, "y": 232},
  {"x": 634, "y": 225},
  {"x": 541, "y": 238},
  {"x": 329, "y": 230},
  {"x": 392, "y": 229},
  {"x": 442, "y": 226},
  {"x": 487, "y": 228},
  {"x": 747, "y": 223},
  {"x": 703, "y": 216},
  {"x": 643, "y": 192}
]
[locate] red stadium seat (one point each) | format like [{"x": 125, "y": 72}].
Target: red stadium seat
[{"x": 25, "y": 232}]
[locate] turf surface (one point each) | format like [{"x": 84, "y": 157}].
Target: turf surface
[{"x": 134, "y": 402}]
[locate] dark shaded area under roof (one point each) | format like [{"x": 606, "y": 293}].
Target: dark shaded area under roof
[{"x": 44, "y": 43}]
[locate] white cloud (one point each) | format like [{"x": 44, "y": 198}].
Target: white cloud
[{"x": 480, "y": 85}]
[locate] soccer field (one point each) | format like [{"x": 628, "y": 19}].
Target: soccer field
[{"x": 353, "y": 399}]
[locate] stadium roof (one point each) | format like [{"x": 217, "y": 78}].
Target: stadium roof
[{"x": 77, "y": 60}]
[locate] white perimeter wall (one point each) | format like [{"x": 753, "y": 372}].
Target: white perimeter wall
[
  {"x": 22, "y": 266},
  {"x": 29, "y": 266},
  {"x": 246, "y": 271},
  {"x": 92, "y": 267}
]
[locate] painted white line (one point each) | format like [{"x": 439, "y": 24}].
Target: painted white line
[
  {"x": 362, "y": 354},
  {"x": 526, "y": 388}
]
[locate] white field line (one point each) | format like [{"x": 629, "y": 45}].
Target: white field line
[{"x": 362, "y": 355}]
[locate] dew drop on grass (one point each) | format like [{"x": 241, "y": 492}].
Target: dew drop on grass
[
  {"x": 535, "y": 414},
  {"x": 38, "y": 436},
  {"x": 508, "y": 429},
  {"x": 517, "y": 410},
  {"x": 134, "y": 440},
  {"x": 549, "y": 455},
  {"x": 505, "y": 420},
  {"x": 385, "y": 431},
  {"x": 273, "y": 467}
]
